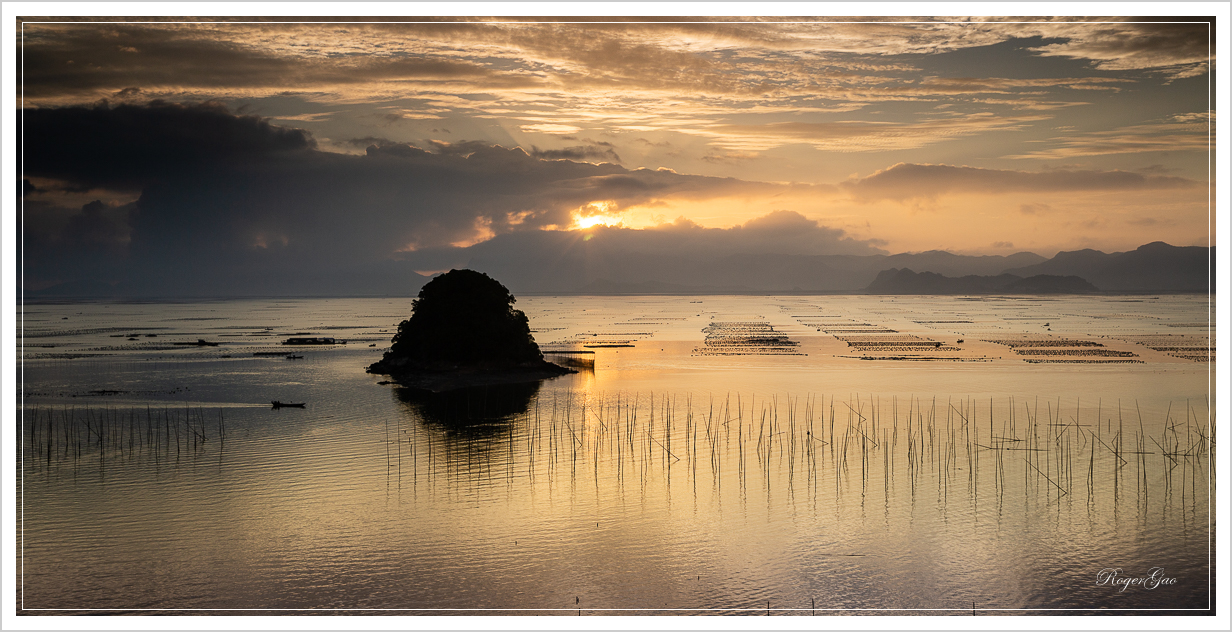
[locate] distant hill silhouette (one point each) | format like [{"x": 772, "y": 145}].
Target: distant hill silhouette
[
  {"x": 1154, "y": 267},
  {"x": 905, "y": 281},
  {"x": 950, "y": 264},
  {"x": 634, "y": 272},
  {"x": 1050, "y": 284}
]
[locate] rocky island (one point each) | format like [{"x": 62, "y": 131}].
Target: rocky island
[{"x": 464, "y": 332}]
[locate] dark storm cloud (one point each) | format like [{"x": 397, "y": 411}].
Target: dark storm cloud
[
  {"x": 227, "y": 199},
  {"x": 91, "y": 228},
  {"x": 906, "y": 181},
  {"x": 60, "y": 244},
  {"x": 129, "y": 146}
]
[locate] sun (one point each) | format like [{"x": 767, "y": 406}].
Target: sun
[
  {"x": 582, "y": 223},
  {"x": 596, "y": 214}
]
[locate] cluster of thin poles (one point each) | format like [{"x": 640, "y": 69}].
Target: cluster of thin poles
[
  {"x": 628, "y": 437},
  {"x": 54, "y": 436}
]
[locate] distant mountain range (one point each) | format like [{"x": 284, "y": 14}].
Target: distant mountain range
[
  {"x": 637, "y": 272},
  {"x": 904, "y": 281},
  {"x": 1155, "y": 267},
  {"x": 531, "y": 268}
]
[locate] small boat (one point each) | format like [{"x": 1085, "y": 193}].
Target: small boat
[
  {"x": 278, "y": 404},
  {"x": 295, "y": 357}
]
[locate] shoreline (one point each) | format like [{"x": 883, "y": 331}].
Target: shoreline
[{"x": 447, "y": 379}]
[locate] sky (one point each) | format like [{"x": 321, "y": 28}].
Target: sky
[{"x": 265, "y": 148}]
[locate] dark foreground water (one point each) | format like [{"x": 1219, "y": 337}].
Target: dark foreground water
[{"x": 797, "y": 455}]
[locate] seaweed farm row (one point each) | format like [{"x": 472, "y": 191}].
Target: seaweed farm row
[
  {"x": 745, "y": 338},
  {"x": 968, "y": 333},
  {"x": 1063, "y": 350},
  {"x": 1185, "y": 346}
]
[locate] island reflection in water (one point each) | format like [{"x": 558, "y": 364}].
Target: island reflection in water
[{"x": 470, "y": 412}]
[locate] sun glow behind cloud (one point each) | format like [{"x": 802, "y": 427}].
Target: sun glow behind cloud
[
  {"x": 582, "y": 223},
  {"x": 596, "y": 214}
]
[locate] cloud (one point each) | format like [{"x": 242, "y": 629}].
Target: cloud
[
  {"x": 722, "y": 93},
  {"x": 63, "y": 60},
  {"x": 551, "y": 128},
  {"x": 63, "y": 244},
  {"x": 1034, "y": 209},
  {"x": 307, "y": 116},
  {"x": 905, "y": 181},
  {"x": 598, "y": 150},
  {"x": 997, "y": 85},
  {"x": 680, "y": 252},
  {"x": 864, "y": 135},
  {"x": 1181, "y": 49},
  {"x": 1184, "y": 132},
  {"x": 228, "y": 199},
  {"x": 368, "y": 140},
  {"x": 91, "y": 228},
  {"x": 614, "y": 74},
  {"x": 783, "y": 232},
  {"x": 131, "y": 145},
  {"x": 729, "y": 156}
]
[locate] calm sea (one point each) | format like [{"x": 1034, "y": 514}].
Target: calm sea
[{"x": 788, "y": 455}]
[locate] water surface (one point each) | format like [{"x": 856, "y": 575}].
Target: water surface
[{"x": 828, "y": 454}]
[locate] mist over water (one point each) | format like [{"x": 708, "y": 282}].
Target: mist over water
[{"x": 791, "y": 455}]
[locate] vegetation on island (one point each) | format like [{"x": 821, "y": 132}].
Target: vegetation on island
[{"x": 464, "y": 331}]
